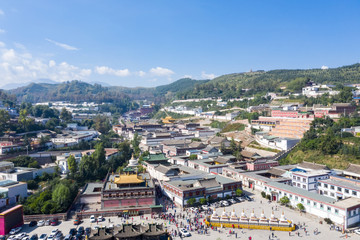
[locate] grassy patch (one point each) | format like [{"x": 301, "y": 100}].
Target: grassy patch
[
  {"x": 332, "y": 161},
  {"x": 264, "y": 148},
  {"x": 233, "y": 127}
]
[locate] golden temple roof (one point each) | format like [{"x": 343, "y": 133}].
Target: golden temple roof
[{"x": 128, "y": 179}]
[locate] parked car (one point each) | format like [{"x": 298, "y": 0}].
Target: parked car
[
  {"x": 41, "y": 223},
  {"x": 50, "y": 237},
  {"x": 92, "y": 219},
  {"x": 15, "y": 230},
  {"x": 77, "y": 221},
  {"x": 72, "y": 232},
  {"x": 248, "y": 198},
  {"x": 68, "y": 237},
  {"x": 100, "y": 218},
  {"x": 43, "y": 237},
  {"x": 32, "y": 224},
  {"x": 225, "y": 203},
  {"x": 240, "y": 199},
  {"x": 54, "y": 231},
  {"x": 47, "y": 222},
  {"x": 357, "y": 231},
  {"x": 81, "y": 230},
  {"x": 54, "y": 222},
  {"x": 232, "y": 201},
  {"x": 87, "y": 231},
  {"x": 184, "y": 233},
  {"x": 204, "y": 207},
  {"x": 21, "y": 235},
  {"x": 34, "y": 237}
]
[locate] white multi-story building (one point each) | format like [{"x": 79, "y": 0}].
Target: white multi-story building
[
  {"x": 306, "y": 179},
  {"x": 338, "y": 187},
  {"x": 345, "y": 212}
]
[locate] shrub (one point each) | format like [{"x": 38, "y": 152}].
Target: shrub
[
  {"x": 328, "y": 221},
  {"x": 268, "y": 197},
  {"x": 263, "y": 194},
  {"x": 300, "y": 207}
]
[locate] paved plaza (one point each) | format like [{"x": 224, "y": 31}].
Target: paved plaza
[{"x": 311, "y": 223}]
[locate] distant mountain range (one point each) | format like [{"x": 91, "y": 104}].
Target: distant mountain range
[{"x": 230, "y": 85}]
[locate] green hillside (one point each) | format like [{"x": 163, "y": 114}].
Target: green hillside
[
  {"x": 77, "y": 91},
  {"x": 232, "y": 85}
]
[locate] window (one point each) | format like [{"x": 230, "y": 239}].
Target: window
[
  {"x": 354, "y": 193},
  {"x": 298, "y": 184},
  {"x": 265, "y": 188},
  {"x": 325, "y": 185},
  {"x": 296, "y": 198},
  {"x": 329, "y": 209},
  {"x": 339, "y": 189},
  {"x": 304, "y": 186},
  {"x": 308, "y": 202},
  {"x": 321, "y": 206},
  {"x": 319, "y": 184},
  {"x": 294, "y": 177},
  {"x": 315, "y": 204},
  {"x": 302, "y": 200},
  {"x": 347, "y": 191},
  {"x": 294, "y": 184},
  {"x": 280, "y": 192},
  {"x": 298, "y": 178},
  {"x": 336, "y": 211},
  {"x": 290, "y": 195},
  {"x": 332, "y": 187},
  {"x": 332, "y": 194},
  {"x": 285, "y": 194},
  {"x": 304, "y": 179},
  {"x": 325, "y": 193}
]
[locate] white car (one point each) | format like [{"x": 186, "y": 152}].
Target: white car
[
  {"x": 54, "y": 231},
  {"x": 40, "y": 223},
  {"x": 225, "y": 203},
  {"x": 92, "y": 219},
  {"x": 21, "y": 235},
  {"x": 232, "y": 201},
  {"x": 204, "y": 207},
  {"x": 357, "y": 231},
  {"x": 50, "y": 237},
  {"x": 184, "y": 233},
  {"x": 100, "y": 218},
  {"x": 15, "y": 230}
]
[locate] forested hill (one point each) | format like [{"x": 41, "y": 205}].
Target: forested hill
[
  {"x": 231, "y": 85},
  {"x": 74, "y": 91},
  {"x": 77, "y": 91}
]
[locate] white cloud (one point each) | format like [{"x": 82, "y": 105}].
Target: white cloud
[
  {"x": 207, "y": 75},
  {"x": 116, "y": 72},
  {"x": 186, "y": 76},
  {"x": 62, "y": 45},
  {"x": 52, "y": 63},
  {"x": 162, "y": 72},
  {"x": 17, "y": 67},
  {"x": 19, "y": 46},
  {"x": 2, "y": 31},
  {"x": 324, "y": 67},
  {"x": 141, "y": 73}
]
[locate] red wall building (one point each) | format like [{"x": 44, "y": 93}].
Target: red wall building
[{"x": 11, "y": 218}]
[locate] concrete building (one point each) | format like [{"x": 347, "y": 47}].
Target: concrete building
[
  {"x": 11, "y": 192},
  {"x": 344, "y": 213},
  {"x": 129, "y": 192}
]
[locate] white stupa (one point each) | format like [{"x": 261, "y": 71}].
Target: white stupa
[{"x": 133, "y": 162}]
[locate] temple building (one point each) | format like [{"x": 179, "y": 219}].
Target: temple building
[{"x": 133, "y": 193}]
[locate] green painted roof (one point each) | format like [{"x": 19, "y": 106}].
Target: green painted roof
[{"x": 155, "y": 157}]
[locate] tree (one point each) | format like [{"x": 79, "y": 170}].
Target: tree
[
  {"x": 238, "y": 192},
  {"x": 284, "y": 200},
  {"x": 263, "y": 194},
  {"x": 203, "y": 201},
  {"x": 193, "y": 157},
  {"x": 72, "y": 165},
  {"x": 191, "y": 201},
  {"x": 300, "y": 207},
  {"x": 61, "y": 196},
  {"x": 32, "y": 184},
  {"x": 4, "y": 120},
  {"x": 65, "y": 115}
]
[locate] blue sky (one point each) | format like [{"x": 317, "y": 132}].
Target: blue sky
[{"x": 149, "y": 43}]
